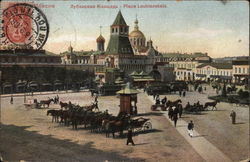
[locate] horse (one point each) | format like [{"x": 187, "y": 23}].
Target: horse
[
  {"x": 91, "y": 107},
  {"x": 63, "y": 104},
  {"x": 115, "y": 124},
  {"x": 46, "y": 102},
  {"x": 54, "y": 114},
  {"x": 211, "y": 104},
  {"x": 173, "y": 103}
]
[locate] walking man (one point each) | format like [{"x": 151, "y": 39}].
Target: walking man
[
  {"x": 170, "y": 112},
  {"x": 180, "y": 110},
  {"x": 184, "y": 93},
  {"x": 233, "y": 116},
  {"x": 11, "y": 99},
  {"x": 180, "y": 93},
  {"x": 175, "y": 118},
  {"x": 190, "y": 128},
  {"x": 129, "y": 137}
]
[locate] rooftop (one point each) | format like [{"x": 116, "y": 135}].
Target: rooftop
[{"x": 217, "y": 65}]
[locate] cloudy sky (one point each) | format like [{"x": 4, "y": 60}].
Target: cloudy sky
[{"x": 204, "y": 26}]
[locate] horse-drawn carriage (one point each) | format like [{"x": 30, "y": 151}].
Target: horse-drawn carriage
[
  {"x": 155, "y": 106},
  {"x": 32, "y": 103},
  {"x": 141, "y": 124}
]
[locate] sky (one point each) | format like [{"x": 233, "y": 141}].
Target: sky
[{"x": 182, "y": 26}]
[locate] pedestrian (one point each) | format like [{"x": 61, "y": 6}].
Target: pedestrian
[
  {"x": 96, "y": 98},
  {"x": 175, "y": 118},
  {"x": 233, "y": 116},
  {"x": 57, "y": 98},
  {"x": 154, "y": 95},
  {"x": 180, "y": 109},
  {"x": 184, "y": 93},
  {"x": 190, "y": 128},
  {"x": 170, "y": 112},
  {"x": 157, "y": 97},
  {"x": 180, "y": 93},
  {"x": 129, "y": 137},
  {"x": 11, "y": 99}
]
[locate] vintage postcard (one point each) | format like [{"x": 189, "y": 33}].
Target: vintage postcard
[{"x": 114, "y": 80}]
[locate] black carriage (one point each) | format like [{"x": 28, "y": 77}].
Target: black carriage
[
  {"x": 141, "y": 124},
  {"x": 155, "y": 106}
]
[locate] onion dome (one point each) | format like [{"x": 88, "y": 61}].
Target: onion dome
[
  {"x": 136, "y": 32},
  {"x": 100, "y": 39}
]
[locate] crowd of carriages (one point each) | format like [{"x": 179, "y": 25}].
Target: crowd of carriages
[
  {"x": 89, "y": 117},
  {"x": 163, "y": 88},
  {"x": 166, "y": 104}
]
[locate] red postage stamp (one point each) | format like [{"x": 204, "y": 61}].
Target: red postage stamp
[{"x": 24, "y": 25}]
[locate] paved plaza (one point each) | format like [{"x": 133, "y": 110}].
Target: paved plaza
[{"x": 31, "y": 133}]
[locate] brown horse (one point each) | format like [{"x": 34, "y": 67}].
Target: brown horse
[
  {"x": 211, "y": 104},
  {"x": 63, "y": 104},
  {"x": 46, "y": 102},
  {"x": 54, "y": 114},
  {"x": 173, "y": 103},
  {"x": 91, "y": 107}
]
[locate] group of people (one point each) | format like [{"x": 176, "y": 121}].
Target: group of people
[
  {"x": 182, "y": 93},
  {"x": 56, "y": 99},
  {"x": 158, "y": 100}
]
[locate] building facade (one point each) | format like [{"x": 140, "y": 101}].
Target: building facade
[
  {"x": 240, "y": 71},
  {"x": 215, "y": 72}
]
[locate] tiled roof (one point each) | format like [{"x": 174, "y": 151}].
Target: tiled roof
[
  {"x": 217, "y": 65},
  {"x": 119, "y": 45},
  {"x": 119, "y": 20}
]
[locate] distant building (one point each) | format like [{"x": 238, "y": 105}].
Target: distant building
[
  {"x": 28, "y": 56},
  {"x": 184, "y": 64},
  {"x": 214, "y": 72},
  {"x": 241, "y": 71}
]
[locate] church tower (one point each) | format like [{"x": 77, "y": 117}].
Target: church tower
[
  {"x": 119, "y": 42},
  {"x": 100, "y": 42}
]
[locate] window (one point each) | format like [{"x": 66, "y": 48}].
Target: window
[
  {"x": 243, "y": 70},
  {"x": 121, "y": 30},
  {"x": 116, "y": 30},
  {"x": 113, "y": 30},
  {"x": 239, "y": 70},
  {"x": 235, "y": 70}
]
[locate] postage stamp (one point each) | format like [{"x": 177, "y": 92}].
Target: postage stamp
[{"x": 24, "y": 25}]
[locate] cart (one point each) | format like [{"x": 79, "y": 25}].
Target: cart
[
  {"x": 141, "y": 124},
  {"x": 162, "y": 106},
  {"x": 32, "y": 104}
]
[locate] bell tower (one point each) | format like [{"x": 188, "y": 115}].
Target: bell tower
[
  {"x": 119, "y": 42},
  {"x": 100, "y": 41}
]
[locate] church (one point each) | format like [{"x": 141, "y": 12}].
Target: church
[
  {"x": 127, "y": 51},
  {"x": 130, "y": 52}
]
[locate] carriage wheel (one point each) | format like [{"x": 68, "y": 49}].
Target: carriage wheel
[{"x": 147, "y": 126}]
